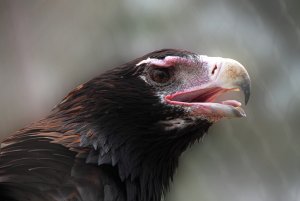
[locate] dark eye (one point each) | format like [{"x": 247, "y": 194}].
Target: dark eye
[{"x": 160, "y": 75}]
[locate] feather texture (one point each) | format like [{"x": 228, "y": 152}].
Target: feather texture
[{"x": 104, "y": 142}]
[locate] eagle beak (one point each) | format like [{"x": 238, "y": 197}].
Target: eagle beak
[
  {"x": 222, "y": 75},
  {"x": 228, "y": 74}
]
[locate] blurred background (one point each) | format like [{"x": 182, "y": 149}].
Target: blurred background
[{"x": 47, "y": 48}]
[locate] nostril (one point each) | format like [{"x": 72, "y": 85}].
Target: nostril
[{"x": 214, "y": 69}]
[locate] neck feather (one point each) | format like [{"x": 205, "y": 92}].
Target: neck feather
[{"x": 123, "y": 129}]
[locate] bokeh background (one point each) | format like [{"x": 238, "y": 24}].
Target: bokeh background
[{"x": 49, "y": 47}]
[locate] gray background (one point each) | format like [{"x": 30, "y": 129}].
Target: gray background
[{"x": 49, "y": 47}]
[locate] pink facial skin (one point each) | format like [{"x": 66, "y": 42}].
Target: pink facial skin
[
  {"x": 168, "y": 61},
  {"x": 213, "y": 77}
]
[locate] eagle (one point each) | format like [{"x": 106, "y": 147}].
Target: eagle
[{"x": 118, "y": 137}]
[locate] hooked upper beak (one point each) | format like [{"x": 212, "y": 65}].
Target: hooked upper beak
[{"x": 229, "y": 74}]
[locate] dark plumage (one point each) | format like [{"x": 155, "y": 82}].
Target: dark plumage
[{"x": 116, "y": 137}]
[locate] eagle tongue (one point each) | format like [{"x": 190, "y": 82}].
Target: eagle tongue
[{"x": 233, "y": 103}]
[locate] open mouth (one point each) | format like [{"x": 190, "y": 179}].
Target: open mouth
[
  {"x": 201, "y": 96},
  {"x": 204, "y": 102},
  {"x": 217, "y": 76}
]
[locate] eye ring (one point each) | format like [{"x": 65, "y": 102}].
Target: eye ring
[{"x": 161, "y": 76}]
